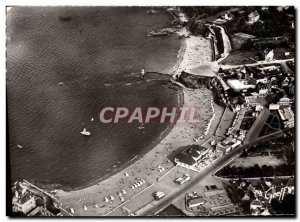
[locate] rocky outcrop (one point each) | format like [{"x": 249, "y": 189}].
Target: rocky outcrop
[{"x": 193, "y": 81}]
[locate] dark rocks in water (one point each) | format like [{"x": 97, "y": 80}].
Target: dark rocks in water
[
  {"x": 65, "y": 18},
  {"x": 193, "y": 81}
]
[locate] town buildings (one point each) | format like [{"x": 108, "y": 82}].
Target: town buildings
[
  {"x": 29, "y": 202},
  {"x": 211, "y": 202}
]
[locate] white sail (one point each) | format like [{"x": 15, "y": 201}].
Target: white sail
[{"x": 85, "y": 132}]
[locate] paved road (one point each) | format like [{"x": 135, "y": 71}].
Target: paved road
[
  {"x": 156, "y": 206},
  {"x": 281, "y": 61}
]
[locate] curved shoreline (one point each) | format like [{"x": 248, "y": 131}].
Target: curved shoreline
[
  {"x": 146, "y": 166},
  {"x": 137, "y": 157},
  {"x": 154, "y": 143}
]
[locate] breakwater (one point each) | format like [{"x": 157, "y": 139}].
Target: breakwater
[{"x": 156, "y": 76}]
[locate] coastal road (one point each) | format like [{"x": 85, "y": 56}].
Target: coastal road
[
  {"x": 156, "y": 206},
  {"x": 281, "y": 61}
]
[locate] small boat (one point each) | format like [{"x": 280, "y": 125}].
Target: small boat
[
  {"x": 143, "y": 72},
  {"x": 19, "y": 146},
  {"x": 65, "y": 18},
  {"x": 141, "y": 126},
  {"x": 85, "y": 132},
  {"x": 92, "y": 119}
]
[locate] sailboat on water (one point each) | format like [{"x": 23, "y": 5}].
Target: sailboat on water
[{"x": 85, "y": 132}]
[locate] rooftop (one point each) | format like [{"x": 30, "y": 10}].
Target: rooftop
[
  {"x": 189, "y": 155},
  {"x": 237, "y": 84}
]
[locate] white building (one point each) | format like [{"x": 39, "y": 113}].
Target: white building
[
  {"x": 269, "y": 56},
  {"x": 253, "y": 17}
]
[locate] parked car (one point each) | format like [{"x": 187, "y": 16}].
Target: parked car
[{"x": 158, "y": 195}]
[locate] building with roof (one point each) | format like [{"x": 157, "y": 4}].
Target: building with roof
[
  {"x": 255, "y": 77},
  {"x": 286, "y": 113},
  {"x": 189, "y": 157},
  {"x": 253, "y": 17},
  {"x": 284, "y": 101},
  {"x": 30, "y": 201},
  {"x": 269, "y": 56},
  {"x": 24, "y": 203},
  {"x": 238, "y": 84},
  {"x": 256, "y": 204},
  {"x": 274, "y": 107},
  {"x": 195, "y": 202},
  {"x": 287, "y": 116},
  {"x": 265, "y": 212}
]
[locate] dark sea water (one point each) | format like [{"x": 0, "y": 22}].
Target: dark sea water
[{"x": 97, "y": 53}]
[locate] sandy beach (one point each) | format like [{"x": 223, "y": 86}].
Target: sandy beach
[
  {"x": 90, "y": 201},
  {"x": 197, "y": 52}
]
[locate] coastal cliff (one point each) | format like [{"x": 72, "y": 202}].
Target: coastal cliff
[{"x": 193, "y": 81}]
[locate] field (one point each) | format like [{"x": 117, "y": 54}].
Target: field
[
  {"x": 259, "y": 160},
  {"x": 240, "y": 58}
]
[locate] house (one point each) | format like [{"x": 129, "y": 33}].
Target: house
[
  {"x": 273, "y": 84},
  {"x": 258, "y": 108},
  {"x": 287, "y": 116},
  {"x": 238, "y": 84},
  {"x": 269, "y": 55},
  {"x": 255, "y": 76},
  {"x": 284, "y": 101},
  {"x": 227, "y": 144},
  {"x": 265, "y": 212},
  {"x": 242, "y": 134},
  {"x": 273, "y": 106},
  {"x": 286, "y": 113},
  {"x": 246, "y": 197},
  {"x": 253, "y": 17},
  {"x": 195, "y": 202},
  {"x": 285, "y": 82},
  {"x": 237, "y": 143},
  {"x": 262, "y": 89},
  {"x": 24, "y": 203},
  {"x": 189, "y": 157},
  {"x": 256, "y": 204}
]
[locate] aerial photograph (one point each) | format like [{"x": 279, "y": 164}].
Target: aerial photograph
[{"x": 165, "y": 111}]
